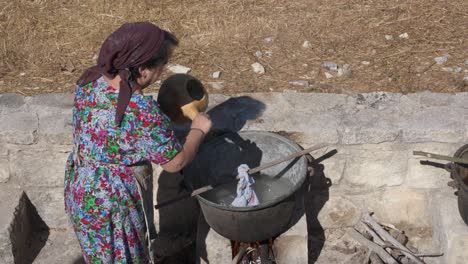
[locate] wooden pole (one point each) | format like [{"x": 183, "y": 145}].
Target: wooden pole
[
  {"x": 440, "y": 157},
  {"x": 251, "y": 171}
]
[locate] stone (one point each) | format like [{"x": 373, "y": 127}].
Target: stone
[
  {"x": 302, "y": 83},
  {"x": 217, "y": 86},
  {"x": 211, "y": 246},
  {"x": 21, "y": 129},
  {"x": 60, "y": 100},
  {"x": 429, "y": 99},
  {"x": 4, "y": 169},
  {"x": 365, "y": 62},
  {"x": 268, "y": 53},
  {"x": 306, "y": 45},
  {"x": 442, "y": 59},
  {"x": 457, "y": 253},
  {"x": 50, "y": 206},
  {"x": 61, "y": 247},
  {"x": 258, "y": 68},
  {"x": 398, "y": 206},
  {"x": 177, "y": 68},
  {"x": 9, "y": 200},
  {"x": 375, "y": 168},
  {"x": 328, "y": 75},
  {"x": 11, "y": 102},
  {"x": 312, "y": 103},
  {"x": 258, "y": 54},
  {"x": 338, "y": 212},
  {"x": 403, "y": 36},
  {"x": 457, "y": 69},
  {"x": 369, "y": 125},
  {"x": 45, "y": 167},
  {"x": 268, "y": 39},
  {"x": 449, "y": 228},
  {"x": 426, "y": 176},
  {"x": 344, "y": 70},
  {"x": 439, "y": 124},
  {"x": 334, "y": 167},
  {"x": 216, "y": 74},
  {"x": 56, "y": 127},
  {"x": 388, "y": 37},
  {"x": 291, "y": 249},
  {"x": 331, "y": 66}
]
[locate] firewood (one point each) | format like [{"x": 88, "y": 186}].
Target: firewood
[
  {"x": 375, "y": 259},
  {"x": 372, "y": 246},
  {"x": 369, "y": 220}
]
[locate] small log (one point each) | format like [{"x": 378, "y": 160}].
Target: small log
[
  {"x": 367, "y": 218},
  {"x": 375, "y": 259},
  {"x": 372, "y": 246}
]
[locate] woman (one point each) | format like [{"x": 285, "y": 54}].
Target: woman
[{"x": 117, "y": 131}]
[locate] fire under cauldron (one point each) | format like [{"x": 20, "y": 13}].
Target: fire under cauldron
[{"x": 276, "y": 187}]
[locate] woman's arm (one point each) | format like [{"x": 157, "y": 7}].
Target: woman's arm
[{"x": 201, "y": 125}]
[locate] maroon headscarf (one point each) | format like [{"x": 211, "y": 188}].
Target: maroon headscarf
[{"x": 130, "y": 45}]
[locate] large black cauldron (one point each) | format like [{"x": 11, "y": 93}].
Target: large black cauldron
[
  {"x": 459, "y": 172},
  {"x": 217, "y": 161}
]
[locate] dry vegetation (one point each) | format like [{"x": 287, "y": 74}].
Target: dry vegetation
[{"x": 46, "y": 44}]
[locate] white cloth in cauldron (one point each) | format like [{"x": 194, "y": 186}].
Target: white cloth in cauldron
[{"x": 245, "y": 193}]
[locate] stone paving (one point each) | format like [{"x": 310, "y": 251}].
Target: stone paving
[{"x": 374, "y": 169}]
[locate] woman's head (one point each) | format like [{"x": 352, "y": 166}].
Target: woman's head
[
  {"x": 141, "y": 48},
  {"x": 148, "y": 72}
]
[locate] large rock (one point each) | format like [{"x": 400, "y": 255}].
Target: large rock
[
  {"x": 4, "y": 169},
  {"x": 313, "y": 103},
  {"x": 430, "y": 99},
  {"x": 449, "y": 228},
  {"x": 434, "y": 124},
  {"x": 375, "y": 168},
  {"x": 50, "y": 206},
  {"x": 291, "y": 249},
  {"x": 370, "y": 125},
  {"x": 211, "y": 246},
  {"x": 334, "y": 167},
  {"x": 61, "y": 247},
  {"x": 339, "y": 212},
  {"x": 9, "y": 200},
  {"x": 398, "y": 206},
  {"x": 19, "y": 128},
  {"x": 39, "y": 167},
  {"x": 55, "y": 117},
  {"x": 11, "y": 103}
]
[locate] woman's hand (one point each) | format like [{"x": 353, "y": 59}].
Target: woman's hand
[
  {"x": 203, "y": 122},
  {"x": 201, "y": 125}
]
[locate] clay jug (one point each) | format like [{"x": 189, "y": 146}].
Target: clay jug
[{"x": 181, "y": 97}]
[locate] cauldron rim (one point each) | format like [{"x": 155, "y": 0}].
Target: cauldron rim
[{"x": 270, "y": 203}]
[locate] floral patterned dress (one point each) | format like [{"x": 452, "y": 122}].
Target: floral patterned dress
[{"x": 101, "y": 192}]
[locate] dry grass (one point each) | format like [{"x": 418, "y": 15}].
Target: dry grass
[{"x": 46, "y": 44}]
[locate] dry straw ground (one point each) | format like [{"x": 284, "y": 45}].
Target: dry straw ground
[{"x": 46, "y": 44}]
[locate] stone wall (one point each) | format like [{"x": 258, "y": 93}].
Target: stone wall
[{"x": 374, "y": 169}]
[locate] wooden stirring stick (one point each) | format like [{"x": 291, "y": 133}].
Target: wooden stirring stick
[{"x": 251, "y": 171}]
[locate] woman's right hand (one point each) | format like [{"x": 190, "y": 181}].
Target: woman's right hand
[{"x": 203, "y": 122}]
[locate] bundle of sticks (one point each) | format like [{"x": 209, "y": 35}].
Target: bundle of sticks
[{"x": 386, "y": 244}]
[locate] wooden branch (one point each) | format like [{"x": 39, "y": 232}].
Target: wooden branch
[
  {"x": 440, "y": 157},
  {"x": 372, "y": 246},
  {"x": 375, "y": 259},
  {"x": 367, "y": 218},
  {"x": 289, "y": 157}
]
